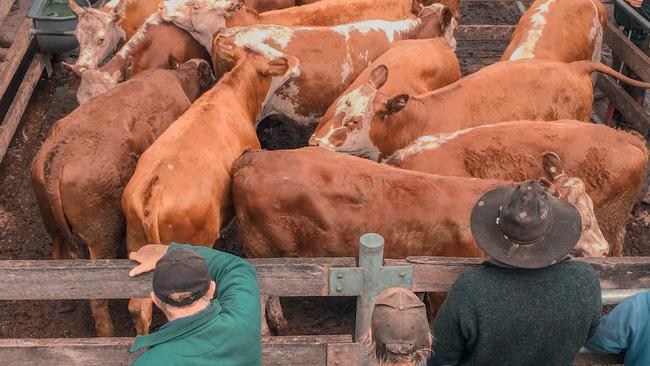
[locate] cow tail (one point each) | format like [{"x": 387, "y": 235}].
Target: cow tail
[
  {"x": 51, "y": 192},
  {"x": 149, "y": 213},
  {"x": 591, "y": 66}
]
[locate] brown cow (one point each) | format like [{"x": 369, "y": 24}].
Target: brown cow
[
  {"x": 322, "y": 202},
  {"x": 590, "y": 152},
  {"x": 368, "y": 123},
  {"x": 101, "y": 32},
  {"x": 180, "y": 190},
  {"x": 559, "y": 30},
  {"x": 153, "y": 46},
  {"x": 418, "y": 66},
  {"x": 330, "y": 57},
  {"x": 204, "y": 18},
  {"x": 89, "y": 155}
]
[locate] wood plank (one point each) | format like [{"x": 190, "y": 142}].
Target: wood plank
[
  {"x": 627, "y": 51},
  {"x": 5, "y": 7},
  {"x": 484, "y": 32},
  {"x": 15, "y": 55},
  {"x": 19, "y": 104},
  {"x": 108, "y": 279},
  {"x": 438, "y": 273},
  {"x": 625, "y": 104},
  {"x": 301, "y": 350}
]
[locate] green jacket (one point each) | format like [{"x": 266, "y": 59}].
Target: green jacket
[
  {"x": 499, "y": 316},
  {"x": 226, "y": 333}
]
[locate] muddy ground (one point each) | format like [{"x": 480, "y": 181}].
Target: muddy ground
[{"x": 22, "y": 235}]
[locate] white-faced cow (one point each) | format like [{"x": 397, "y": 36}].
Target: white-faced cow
[{"x": 371, "y": 124}]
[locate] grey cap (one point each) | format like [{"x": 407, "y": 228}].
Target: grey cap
[{"x": 399, "y": 321}]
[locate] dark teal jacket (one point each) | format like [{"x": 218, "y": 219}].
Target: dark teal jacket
[{"x": 226, "y": 333}]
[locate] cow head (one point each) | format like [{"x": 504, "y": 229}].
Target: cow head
[
  {"x": 349, "y": 130},
  {"x": 437, "y": 20},
  {"x": 96, "y": 82},
  {"x": 592, "y": 243},
  {"x": 98, "y": 34},
  {"x": 232, "y": 54},
  {"x": 195, "y": 76},
  {"x": 201, "y": 18}
]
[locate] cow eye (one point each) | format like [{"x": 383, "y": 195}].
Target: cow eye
[
  {"x": 100, "y": 41},
  {"x": 353, "y": 122}
]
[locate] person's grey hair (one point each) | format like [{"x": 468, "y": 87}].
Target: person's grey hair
[{"x": 380, "y": 355}]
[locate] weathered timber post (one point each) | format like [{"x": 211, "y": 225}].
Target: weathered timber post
[{"x": 368, "y": 280}]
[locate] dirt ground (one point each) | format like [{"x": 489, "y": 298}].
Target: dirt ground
[{"x": 22, "y": 235}]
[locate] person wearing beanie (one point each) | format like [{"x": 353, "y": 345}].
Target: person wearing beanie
[
  {"x": 202, "y": 329},
  {"x": 399, "y": 332},
  {"x": 529, "y": 304}
]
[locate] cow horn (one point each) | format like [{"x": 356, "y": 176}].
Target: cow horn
[
  {"x": 78, "y": 10},
  {"x": 77, "y": 69}
]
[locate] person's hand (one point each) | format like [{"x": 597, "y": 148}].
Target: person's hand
[
  {"x": 147, "y": 256},
  {"x": 635, "y": 3}
]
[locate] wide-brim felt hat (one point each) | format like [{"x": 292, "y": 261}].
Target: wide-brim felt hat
[{"x": 559, "y": 226}]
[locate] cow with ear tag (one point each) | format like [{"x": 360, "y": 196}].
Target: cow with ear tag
[
  {"x": 82, "y": 167},
  {"x": 100, "y": 32},
  {"x": 180, "y": 190}
]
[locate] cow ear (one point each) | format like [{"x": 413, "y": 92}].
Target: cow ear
[
  {"x": 447, "y": 16},
  {"x": 78, "y": 10},
  {"x": 416, "y": 7},
  {"x": 78, "y": 70},
  {"x": 173, "y": 62},
  {"x": 395, "y": 104},
  {"x": 226, "y": 49},
  {"x": 378, "y": 76},
  {"x": 205, "y": 75},
  {"x": 118, "y": 11},
  {"x": 277, "y": 67}
]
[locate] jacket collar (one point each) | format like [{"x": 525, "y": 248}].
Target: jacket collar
[
  {"x": 178, "y": 330},
  {"x": 495, "y": 263}
]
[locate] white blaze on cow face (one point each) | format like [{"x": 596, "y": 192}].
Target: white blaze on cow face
[
  {"x": 538, "y": 21},
  {"x": 201, "y": 18},
  {"x": 98, "y": 34},
  {"x": 352, "y": 135},
  {"x": 96, "y": 82},
  {"x": 592, "y": 243}
]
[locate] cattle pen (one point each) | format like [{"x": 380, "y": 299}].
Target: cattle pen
[{"x": 33, "y": 330}]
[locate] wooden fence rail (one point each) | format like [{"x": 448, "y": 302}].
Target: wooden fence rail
[{"x": 87, "y": 279}]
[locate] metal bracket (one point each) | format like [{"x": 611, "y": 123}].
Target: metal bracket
[{"x": 369, "y": 279}]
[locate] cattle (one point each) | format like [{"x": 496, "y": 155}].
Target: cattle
[
  {"x": 590, "y": 152},
  {"x": 370, "y": 124},
  {"x": 419, "y": 66},
  {"x": 559, "y": 30},
  {"x": 180, "y": 190},
  {"x": 330, "y": 58},
  {"x": 80, "y": 171},
  {"x": 204, "y": 18},
  {"x": 269, "y": 5},
  {"x": 153, "y": 46},
  {"x": 321, "y": 202},
  {"x": 101, "y": 32}
]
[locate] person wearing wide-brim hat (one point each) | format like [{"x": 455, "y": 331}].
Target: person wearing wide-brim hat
[{"x": 529, "y": 304}]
